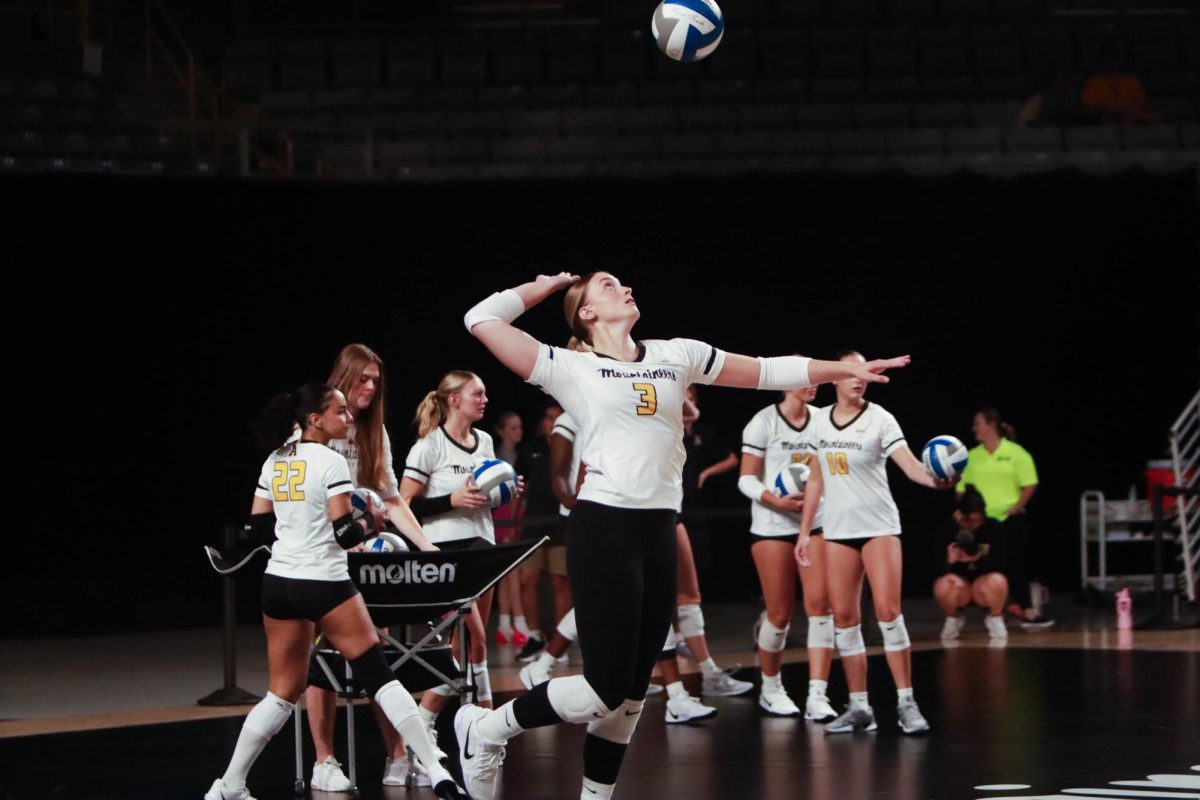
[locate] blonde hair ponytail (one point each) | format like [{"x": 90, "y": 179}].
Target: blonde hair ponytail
[{"x": 433, "y": 409}]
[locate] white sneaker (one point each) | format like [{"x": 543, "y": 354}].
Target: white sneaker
[
  {"x": 722, "y": 684},
  {"x": 685, "y": 708},
  {"x": 854, "y": 718},
  {"x": 327, "y": 776},
  {"x": 397, "y": 770},
  {"x": 995, "y": 626},
  {"x": 480, "y": 759},
  {"x": 818, "y": 708},
  {"x": 911, "y": 720},
  {"x": 438, "y": 752},
  {"x": 952, "y": 627},
  {"x": 778, "y": 703},
  {"x": 534, "y": 674},
  {"x": 219, "y": 791}
]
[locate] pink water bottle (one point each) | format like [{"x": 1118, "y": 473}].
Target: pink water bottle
[{"x": 1124, "y": 610}]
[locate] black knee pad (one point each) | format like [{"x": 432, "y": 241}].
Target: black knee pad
[{"x": 371, "y": 670}]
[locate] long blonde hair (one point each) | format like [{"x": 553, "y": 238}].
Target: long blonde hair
[
  {"x": 368, "y": 422},
  {"x": 573, "y": 300},
  {"x": 432, "y": 411}
]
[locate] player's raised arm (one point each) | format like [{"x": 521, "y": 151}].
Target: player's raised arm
[
  {"x": 795, "y": 372},
  {"x": 490, "y": 321}
]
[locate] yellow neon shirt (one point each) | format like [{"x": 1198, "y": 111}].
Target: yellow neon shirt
[{"x": 999, "y": 476}]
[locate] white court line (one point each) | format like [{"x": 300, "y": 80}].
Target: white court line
[
  {"x": 1002, "y": 787},
  {"x": 1132, "y": 793},
  {"x": 1164, "y": 782}
]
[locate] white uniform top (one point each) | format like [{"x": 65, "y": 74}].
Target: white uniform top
[
  {"x": 443, "y": 465},
  {"x": 299, "y": 478},
  {"x": 346, "y": 449},
  {"x": 630, "y": 415},
  {"x": 567, "y": 428},
  {"x": 773, "y": 439},
  {"x": 853, "y": 461}
]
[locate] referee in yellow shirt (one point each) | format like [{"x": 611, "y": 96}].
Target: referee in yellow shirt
[{"x": 1005, "y": 475}]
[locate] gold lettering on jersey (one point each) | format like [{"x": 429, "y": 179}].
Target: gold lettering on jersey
[
  {"x": 839, "y": 463},
  {"x": 285, "y": 486},
  {"x": 649, "y": 402},
  {"x": 645, "y": 375}
]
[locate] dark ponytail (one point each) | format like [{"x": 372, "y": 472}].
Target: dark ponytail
[
  {"x": 288, "y": 410},
  {"x": 992, "y": 416}
]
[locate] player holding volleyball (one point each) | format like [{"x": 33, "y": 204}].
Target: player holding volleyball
[
  {"x": 627, "y": 397},
  {"x": 779, "y": 435},
  {"x": 862, "y": 535},
  {"x": 307, "y": 486}
]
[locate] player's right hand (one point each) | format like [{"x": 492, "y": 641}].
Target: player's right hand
[{"x": 468, "y": 495}]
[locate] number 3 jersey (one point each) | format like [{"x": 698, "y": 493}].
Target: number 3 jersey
[
  {"x": 630, "y": 416},
  {"x": 853, "y": 461},
  {"x": 299, "y": 478},
  {"x": 777, "y": 442}
]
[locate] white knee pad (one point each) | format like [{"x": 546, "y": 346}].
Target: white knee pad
[
  {"x": 820, "y": 632},
  {"x": 895, "y": 635},
  {"x": 483, "y": 683},
  {"x": 397, "y": 704},
  {"x": 772, "y": 639},
  {"x": 849, "y": 641},
  {"x": 269, "y": 716},
  {"x": 618, "y": 726},
  {"x": 575, "y": 700},
  {"x": 691, "y": 620},
  {"x": 566, "y": 626}
]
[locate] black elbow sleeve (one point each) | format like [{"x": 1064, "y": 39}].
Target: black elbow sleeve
[
  {"x": 426, "y": 507},
  {"x": 349, "y": 531}
]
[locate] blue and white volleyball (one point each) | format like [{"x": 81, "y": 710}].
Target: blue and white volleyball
[
  {"x": 945, "y": 457},
  {"x": 687, "y": 30},
  {"x": 386, "y": 542},
  {"x": 497, "y": 479},
  {"x": 502, "y": 493},
  {"x": 360, "y": 499},
  {"x": 791, "y": 479}
]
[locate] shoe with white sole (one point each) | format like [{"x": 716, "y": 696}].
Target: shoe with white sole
[
  {"x": 219, "y": 791},
  {"x": 722, "y": 684},
  {"x": 995, "y": 626},
  {"x": 778, "y": 704},
  {"x": 952, "y": 627},
  {"x": 479, "y": 758},
  {"x": 438, "y": 752},
  {"x": 911, "y": 720},
  {"x": 397, "y": 770},
  {"x": 685, "y": 708},
  {"x": 654, "y": 688},
  {"x": 534, "y": 674},
  {"x": 327, "y": 776},
  {"x": 855, "y": 718},
  {"x": 818, "y": 708}
]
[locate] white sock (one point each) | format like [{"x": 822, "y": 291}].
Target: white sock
[
  {"x": 520, "y": 624},
  {"x": 505, "y": 622},
  {"x": 546, "y": 661},
  {"x": 904, "y": 694},
  {"x": 816, "y": 686},
  {"x": 709, "y": 667},
  {"x": 403, "y": 712},
  {"x": 428, "y": 716},
  {"x": 772, "y": 684},
  {"x": 499, "y": 725},
  {"x": 536, "y": 634},
  {"x": 596, "y": 791},
  {"x": 859, "y": 700},
  {"x": 262, "y": 723},
  {"x": 483, "y": 683},
  {"x": 675, "y": 689}
]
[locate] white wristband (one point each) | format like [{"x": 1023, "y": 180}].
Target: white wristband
[
  {"x": 783, "y": 373},
  {"x": 752, "y": 487},
  {"x": 503, "y": 306}
]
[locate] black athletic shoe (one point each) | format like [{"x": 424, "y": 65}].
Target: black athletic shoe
[
  {"x": 530, "y": 651},
  {"x": 1037, "y": 623}
]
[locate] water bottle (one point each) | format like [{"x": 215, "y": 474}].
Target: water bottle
[{"x": 1124, "y": 610}]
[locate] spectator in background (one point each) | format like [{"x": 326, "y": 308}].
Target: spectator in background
[
  {"x": 534, "y": 463},
  {"x": 1116, "y": 95},
  {"x": 974, "y": 567},
  {"x": 1055, "y": 100},
  {"x": 1004, "y": 473},
  {"x": 512, "y": 624}
]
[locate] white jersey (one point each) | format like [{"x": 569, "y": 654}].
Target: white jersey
[
  {"x": 567, "y": 428},
  {"x": 299, "y": 478},
  {"x": 346, "y": 449},
  {"x": 853, "y": 461},
  {"x": 443, "y": 465},
  {"x": 630, "y": 415},
  {"x": 773, "y": 439}
]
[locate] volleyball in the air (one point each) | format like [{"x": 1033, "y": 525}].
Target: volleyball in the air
[
  {"x": 791, "y": 479},
  {"x": 497, "y": 479},
  {"x": 944, "y": 456},
  {"x": 687, "y": 30},
  {"x": 386, "y": 543}
]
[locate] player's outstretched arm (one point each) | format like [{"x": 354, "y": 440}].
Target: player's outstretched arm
[
  {"x": 491, "y": 321},
  {"x": 795, "y": 372}
]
